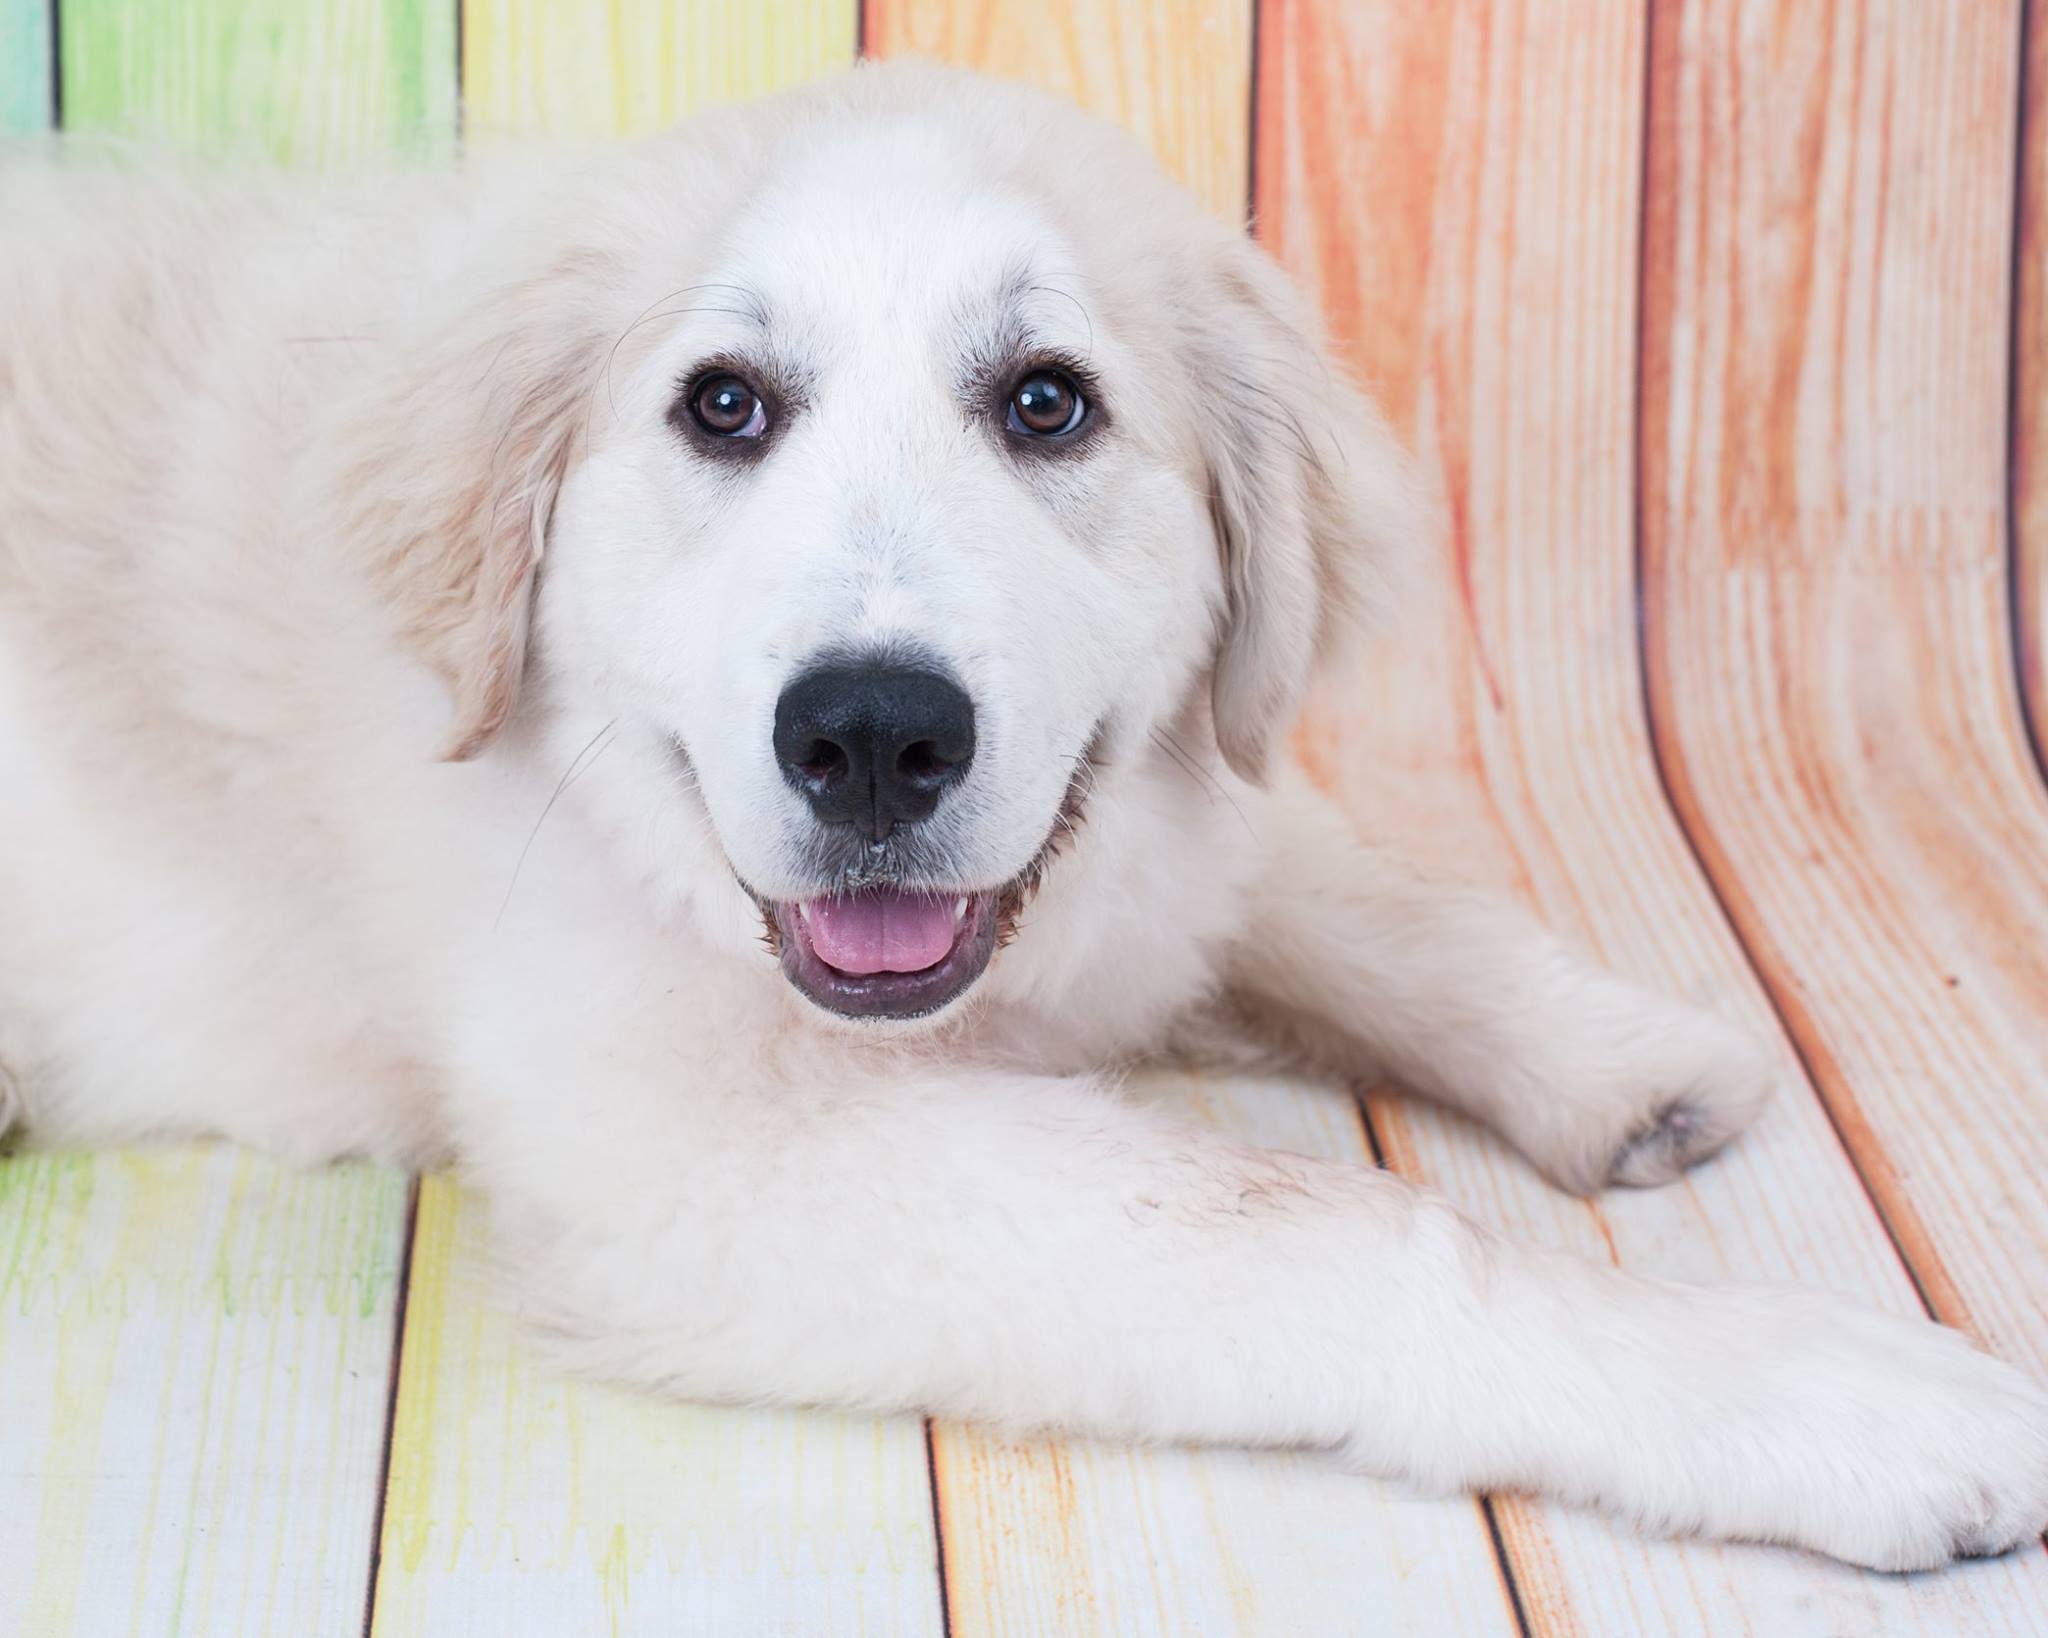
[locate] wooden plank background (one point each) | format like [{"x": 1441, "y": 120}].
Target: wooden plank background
[
  {"x": 26, "y": 81},
  {"x": 521, "y": 1500},
  {"x": 569, "y": 68},
  {"x": 2030, "y": 388},
  {"x": 1825, "y": 584},
  {"x": 195, "y": 1355},
  {"x": 1721, "y": 327},
  {"x": 311, "y": 81}
]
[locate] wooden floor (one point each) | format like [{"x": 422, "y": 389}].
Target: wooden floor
[{"x": 1722, "y": 329}]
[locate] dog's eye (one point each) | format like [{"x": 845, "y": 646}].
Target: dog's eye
[
  {"x": 726, "y": 407},
  {"x": 1046, "y": 404}
]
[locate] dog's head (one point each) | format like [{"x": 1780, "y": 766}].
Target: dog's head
[{"x": 876, "y": 469}]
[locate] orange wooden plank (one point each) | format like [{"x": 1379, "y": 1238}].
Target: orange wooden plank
[
  {"x": 1461, "y": 185},
  {"x": 1177, "y": 72},
  {"x": 2030, "y": 387},
  {"x": 1824, "y": 531}
]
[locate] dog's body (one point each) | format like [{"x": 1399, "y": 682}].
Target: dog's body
[{"x": 276, "y": 467}]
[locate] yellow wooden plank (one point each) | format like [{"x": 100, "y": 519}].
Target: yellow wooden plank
[
  {"x": 194, "y": 1356},
  {"x": 1176, "y": 72},
  {"x": 1461, "y": 185},
  {"x": 525, "y": 1500},
  {"x": 520, "y": 1499},
  {"x": 573, "y": 69}
]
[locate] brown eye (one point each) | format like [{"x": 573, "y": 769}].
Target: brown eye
[
  {"x": 1046, "y": 404},
  {"x": 726, "y": 407}
]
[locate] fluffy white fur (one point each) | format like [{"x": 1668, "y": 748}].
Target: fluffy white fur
[{"x": 283, "y": 698}]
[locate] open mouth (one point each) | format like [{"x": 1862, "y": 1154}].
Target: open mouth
[
  {"x": 880, "y": 950},
  {"x": 884, "y": 952}
]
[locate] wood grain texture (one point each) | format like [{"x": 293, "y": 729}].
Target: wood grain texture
[
  {"x": 572, "y": 69},
  {"x": 2030, "y": 387},
  {"x": 1824, "y": 530},
  {"x": 194, "y": 1357},
  {"x": 308, "y": 81},
  {"x": 1176, "y": 72},
  {"x": 524, "y": 1500},
  {"x": 1460, "y": 184},
  {"x": 1058, "y": 1538},
  {"x": 1055, "y": 1538},
  {"x": 1068, "y": 1538},
  {"x": 24, "y": 65}
]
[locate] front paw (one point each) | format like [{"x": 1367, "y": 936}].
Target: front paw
[{"x": 1894, "y": 1444}]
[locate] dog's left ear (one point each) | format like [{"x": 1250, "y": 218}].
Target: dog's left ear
[
  {"x": 443, "y": 472},
  {"x": 1315, "y": 509}
]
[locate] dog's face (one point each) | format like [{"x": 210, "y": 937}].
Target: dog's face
[
  {"x": 933, "y": 485},
  {"x": 891, "y": 539}
]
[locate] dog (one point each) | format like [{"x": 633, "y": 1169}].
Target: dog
[{"x": 693, "y": 681}]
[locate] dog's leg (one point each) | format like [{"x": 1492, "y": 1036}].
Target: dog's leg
[
  {"x": 1369, "y": 969},
  {"x": 800, "y": 1222}
]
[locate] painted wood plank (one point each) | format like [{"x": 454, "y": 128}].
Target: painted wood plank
[
  {"x": 2030, "y": 389},
  {"x": 1052, "y": 1537},
  {"x": 518, "y": 1496},
  {"x": 572, "y": 69},
  {"x": 1461, "y": 186},
  {"x": 1067, "y": 1538},
  {"x": 194, "y": 1359},
  {"x": 1176, "y": 72},
  {"x": 25, "y": 85},
  {"x": 308, "y": 81},
  {"x": 1824, "y": 531},
  {"x": 524, "y": 1500}
]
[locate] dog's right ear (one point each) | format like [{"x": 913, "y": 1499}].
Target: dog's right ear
[{"x": 443, "y": 471}]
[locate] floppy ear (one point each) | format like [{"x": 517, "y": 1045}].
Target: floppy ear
[
  {"x": 1315, "y": 509},
  {"x": 444, "y": 472}
]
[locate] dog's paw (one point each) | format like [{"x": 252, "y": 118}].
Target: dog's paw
[
  {"x": 1902, "y": 1446},
  {"x": 1663, "y": 1087},
  {"x": 1720, "y": 1088}
]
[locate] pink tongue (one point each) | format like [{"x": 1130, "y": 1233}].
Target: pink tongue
[{"x": 881, "y": 931}]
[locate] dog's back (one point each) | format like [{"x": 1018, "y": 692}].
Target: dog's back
[{"x": 174, "y": 652}]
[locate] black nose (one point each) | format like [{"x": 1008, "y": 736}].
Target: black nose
[{"x": 873, "y": 746}]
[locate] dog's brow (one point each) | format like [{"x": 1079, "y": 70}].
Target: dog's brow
[{"x": 1027, "y": 314}]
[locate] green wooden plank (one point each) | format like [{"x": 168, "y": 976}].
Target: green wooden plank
[
  {"x": 24, "y": 65},
  {"x": 307, "y": 81},
  {"x": 194, "y": 1348}
]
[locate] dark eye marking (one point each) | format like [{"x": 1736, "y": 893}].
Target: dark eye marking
[{"x": 1046, "y": 403}]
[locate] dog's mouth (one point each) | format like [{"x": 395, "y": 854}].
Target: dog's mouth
[
  {"x": 885, "y": 952},
  {"x": 878, "y": 949}
]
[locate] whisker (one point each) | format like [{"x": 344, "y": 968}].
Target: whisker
[
  {"x": 659, "y": 309},
  {"x": 1048, "y": 290},
  {"x": 576, "y": 765}
]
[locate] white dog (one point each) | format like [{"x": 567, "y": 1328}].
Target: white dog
[{"x": 863, "y": 526}]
